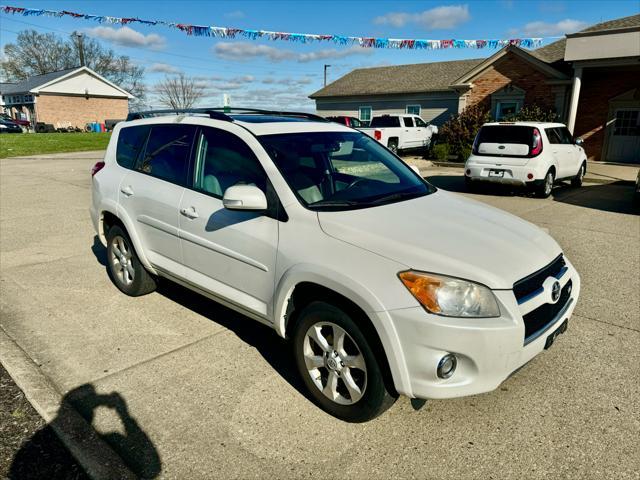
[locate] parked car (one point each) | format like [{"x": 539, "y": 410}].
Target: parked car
[
  {"x": 348, "y": 121},
  {"x": 531, "y": 154},
  {"x": 400, "y": 132},
  {"x": 384, "y": 284},
  {"x": 22, "y": 123},
  {"x": 9, "y": 126}
]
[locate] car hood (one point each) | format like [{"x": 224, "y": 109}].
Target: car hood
[{"x": 448, "y": 234}]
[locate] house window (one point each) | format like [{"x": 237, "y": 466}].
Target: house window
[
  {"x": 504, "y": 109},
  {"x": 413, "y": 109},
  {"x": 364, "y": 114}
]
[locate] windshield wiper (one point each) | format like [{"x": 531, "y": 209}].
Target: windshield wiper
[
  {"x": 394, "y": 196},
  {"x": 334, "y": 203}
]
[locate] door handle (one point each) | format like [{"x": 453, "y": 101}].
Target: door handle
[
  {"x": 128, "y": 191},
  {"x": 189, "y": 212}
]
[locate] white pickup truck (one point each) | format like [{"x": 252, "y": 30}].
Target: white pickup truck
[{"x": 400, "y": 132}]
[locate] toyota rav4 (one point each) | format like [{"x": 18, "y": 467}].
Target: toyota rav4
[{"x": 384, "y": 284}]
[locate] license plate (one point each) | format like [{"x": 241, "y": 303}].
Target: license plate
[
  {"x": 496, "y": 173},
  {"x": 557, "y": 332}
]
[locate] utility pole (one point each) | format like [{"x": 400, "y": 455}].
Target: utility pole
[
  {"x": 325, "y": 74},
  {"x": 80, "y": 36}
]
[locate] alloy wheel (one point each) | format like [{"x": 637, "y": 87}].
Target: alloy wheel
[
  {"x": 121, "y": 260},
  {"x": 548, "y": 183},
  {"x": 335, "y": 363}
]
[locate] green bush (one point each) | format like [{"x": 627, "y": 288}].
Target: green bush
[
  {"x": 440, "y": 152},
  {"x": 460, "y": 130}
]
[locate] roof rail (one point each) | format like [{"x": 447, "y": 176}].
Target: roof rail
[{"x": 221, "y": 113}]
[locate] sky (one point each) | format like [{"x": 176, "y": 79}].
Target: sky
[{"x": 280, "y": 74}]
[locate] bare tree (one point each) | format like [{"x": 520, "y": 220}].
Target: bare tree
[
  {"x": 179, "y": 91},
  {"x": 36, "y": 53}
]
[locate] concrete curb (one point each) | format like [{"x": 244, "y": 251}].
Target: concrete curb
[{"x": 98, "y": 460}]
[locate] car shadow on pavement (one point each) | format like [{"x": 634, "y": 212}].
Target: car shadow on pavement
[
  {"x": 616, "y": 197},
  {"x": 273, "y": 348},
  {"x": 38, "y": 456}
]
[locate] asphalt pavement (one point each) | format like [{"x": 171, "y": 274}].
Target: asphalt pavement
[{"x": 180, "y": 387}]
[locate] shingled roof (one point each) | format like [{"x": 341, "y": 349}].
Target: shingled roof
[
  {"x": 554, "y": 52},
  {"x": 24, "y": 86},
  {"x": 418, "y": 77}
]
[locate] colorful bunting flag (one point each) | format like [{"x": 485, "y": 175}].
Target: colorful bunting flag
[{"x": 225, "y": 32}]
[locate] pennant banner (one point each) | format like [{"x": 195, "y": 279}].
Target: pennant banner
[{"x": 226, "y": 32}]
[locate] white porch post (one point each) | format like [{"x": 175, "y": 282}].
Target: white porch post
[{"x": 575, "y": 97}]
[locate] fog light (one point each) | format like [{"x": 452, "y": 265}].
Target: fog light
[
  {"x": 530, "y": 176},
  {"x": 447, "y": 365}
]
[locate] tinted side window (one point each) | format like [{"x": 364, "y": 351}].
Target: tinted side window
[
  {"x": 130, "y": 143},
  {"x": 420, "y": 122},
  {"x": 408, "y": 122},
  {"x": 224, "y": 160},
  {"x": 565, "y": 135},
  {"x": 167, "y": 153},
  {"x": 552, "y": 135},
  {"x": 385, "y": 121}
]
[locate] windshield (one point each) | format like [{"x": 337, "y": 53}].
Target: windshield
[{"x": 342, "y": 170}]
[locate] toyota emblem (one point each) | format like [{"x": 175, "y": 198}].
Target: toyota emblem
[{"x": 555, "y": 292}]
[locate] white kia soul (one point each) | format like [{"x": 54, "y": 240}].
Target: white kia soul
[
  {"x": 530, "y": 154},
  {"x": 384, "y": 284}
]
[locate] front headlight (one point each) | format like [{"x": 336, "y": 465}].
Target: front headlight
[{"x": 450, "y": 297}]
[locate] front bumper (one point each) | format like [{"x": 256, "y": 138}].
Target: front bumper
[{"x": 488, "y": 350}]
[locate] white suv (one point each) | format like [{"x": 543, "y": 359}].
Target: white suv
[
  {"x": 384, "y": 284},
  {"x": 531, "y": 154}
]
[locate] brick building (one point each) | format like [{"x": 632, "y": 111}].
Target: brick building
[
  {"x": 590, "y": 79},
  {"x": 72, "y": 97}
]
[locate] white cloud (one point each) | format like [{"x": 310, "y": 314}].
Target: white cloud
[
  {"x": 242, "y": 51},
  {"x": 287, "y": 81},
  {"x": 247, "y": 51},
  {"x": 546, "y": 29},
  {"x": 127, "y": 37},
  {"x": 334, "y": 53},
  {"x": 235, "y": 14},
  {"x": 163, "y": 68},
  {"x": 436, "y": 18}
]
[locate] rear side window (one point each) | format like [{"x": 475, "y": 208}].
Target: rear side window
[
  {"x": 408, "y": 122},
  {"x": 385, "y": 121},
  {"x": 131, "y": 142},
  {"x": 167, "y": 153}
]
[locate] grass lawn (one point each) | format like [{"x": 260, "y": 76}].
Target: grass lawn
[{"x": 18, "y": 144}]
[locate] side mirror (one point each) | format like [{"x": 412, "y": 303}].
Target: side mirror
[
  {"x": 579, "y": 141},
  {"x": 244, "y": 197}
]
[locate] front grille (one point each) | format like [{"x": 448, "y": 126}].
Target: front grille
[
  {"x": 537, "y": 320},
  {"x": 531, "y": 284}
]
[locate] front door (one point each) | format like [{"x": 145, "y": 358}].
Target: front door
[
  {"x": 231, "y": 254},
  {"x": 624, "y": 136},
  {"x": 152, "y": 191}
]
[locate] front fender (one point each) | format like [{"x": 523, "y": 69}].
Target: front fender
[{"x": 357, "y": 293}]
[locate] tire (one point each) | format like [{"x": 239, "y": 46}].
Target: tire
[
  {"x": 470, "y": 185},
  {"x": 544, "y": 190},
  {"x": 393, "y": 146},
  {"x": 577, "y": 180},
  {"x": 133, "y": 280},
  {"x": 318, "y": 326}
]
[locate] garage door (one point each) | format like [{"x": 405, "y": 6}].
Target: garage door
[{"x": 624, "y": 140}]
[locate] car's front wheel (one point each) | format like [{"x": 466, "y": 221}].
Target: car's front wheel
[
  {"x": 125, "y": 269},
  {"x": 577, "y": 180},
  {"x": 337, "y": 364}
]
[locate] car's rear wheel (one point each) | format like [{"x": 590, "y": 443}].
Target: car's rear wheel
[
  {"x": 577, "y": 180},
  {"x": 393, "y": 146},
  {"x": 337, "y": 364},
  {"x": 547, "y": 185},
  {"x": 124, "y": 267}
]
